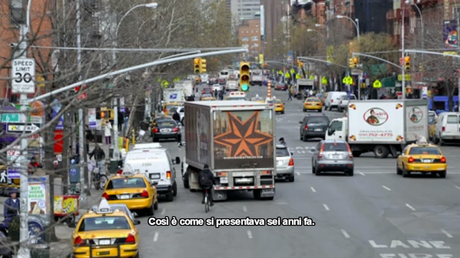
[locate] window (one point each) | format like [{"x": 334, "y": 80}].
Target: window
[
  {"x": 282, "y": 152},
  {"x": 255, "y": 45},
  {"x": 318, "y": 120},
  {"x": 104, "y": 223},
  {"x": 167, "y": 123},
  {"x": 254, "y": 38},
  {"x": 336, "y": 146},
  {"x": 337, "y": 126},
  {"x": 344, "y": 97},
  {"x": 120, "y": 183},
  {"x": 424, "y": 150},
  {"x": 452, "y": 119},
  {"x": 245, "y": 38}
]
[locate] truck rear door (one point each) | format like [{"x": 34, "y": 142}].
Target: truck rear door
[{"x": 452, "y": 127}]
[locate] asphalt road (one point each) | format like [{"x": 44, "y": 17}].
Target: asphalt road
[{"x": 373, "y": 214}]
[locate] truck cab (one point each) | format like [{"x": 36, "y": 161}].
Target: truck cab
[{"x": 337, "y": 129}]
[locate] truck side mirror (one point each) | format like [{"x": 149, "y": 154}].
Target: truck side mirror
[{"x": 330, "y": 131}]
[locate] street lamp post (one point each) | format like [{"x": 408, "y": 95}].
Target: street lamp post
[
  {"x": 116, "y": 154},
  {"x": 403, "y": 75},
  {"x": 356, "y": 24}
]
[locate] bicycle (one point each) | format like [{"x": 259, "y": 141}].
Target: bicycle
[
  {"x": 207, "y": 201},
  {"x": 97, "y": 179}
]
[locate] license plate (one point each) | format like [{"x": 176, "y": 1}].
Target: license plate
[
  {"x": 280, "y": 163},
  {"x": 104, "y": 242},
  {"x": 103, "y": 253},
  {"x": 427, "y": 160},
  {"x": 123, "y": 196},
  {"x": 427, "y": 167},
  {"x": 224, "y": 180},
  {"x": 336, "y": 156},
  {"x": 154, "y": 176},
  {"x": 318, "y": 130},
  {"x": 165, "y": 130}
]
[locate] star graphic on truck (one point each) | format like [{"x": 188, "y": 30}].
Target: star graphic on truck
[{"x": 243, "y": 139}]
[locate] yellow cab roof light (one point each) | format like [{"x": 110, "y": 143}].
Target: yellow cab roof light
[{"x": 104, "y": 207}]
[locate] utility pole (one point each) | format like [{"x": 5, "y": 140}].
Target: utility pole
[
  {"x": 403, "y": 79},
  {"x": 81, "y": 121}
]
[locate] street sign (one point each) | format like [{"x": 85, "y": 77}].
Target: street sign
[
  {"x": 10, "y": 118},
  {"x": 377, "y": 84},
  {"x": 19, "y": 128},
  {"x": 23, "y": 74},
  {"x": 348, "y": 80},
  {"x": 357, "y": 72},
  {"x": 408, "y": 77}
]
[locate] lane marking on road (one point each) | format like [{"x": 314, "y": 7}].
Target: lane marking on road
[
  {"x": 458, "y": 187},
  {"x": 361, "y": 173},
  {"x": 345, "y": 234},
  {"x": 155, "y": 237},
  {"x": 410, "y": 207},
  {"x": 163, "y": 211},
  {"x": 281, "y": 203},
  {"x": 446, "y": 233},
  {"x": 298, "y": 173},
  {"x": 245, "y": 209},
  {"x": 249, "y": 234},
  {"x": 313, "y": 189},
  {"x": 386, "y": 188},
  {"x": 326, "y": 207}
]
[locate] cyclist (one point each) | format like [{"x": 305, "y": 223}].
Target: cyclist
[
  {"x": 207, "y": 180},
  {"x": 99, "y": 156}
]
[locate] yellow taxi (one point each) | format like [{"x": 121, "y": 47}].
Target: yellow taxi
[
  {"x": 168, "y": 106},
  {"x": 421, "y": 157},
  {"x": 279, "y": 106},
  {"x": 161, "y": 118},
  {"x": 208, "y": 99},
  {"x": 133, "y": 190},
  {"x": 312, "y": 104},
  {"x": 105, "y": 233},
  {"x": 258, "y": 100},
  {"x": 432, "y": 120}
]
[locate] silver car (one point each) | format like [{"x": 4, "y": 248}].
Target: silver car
[
  {"x": 343, "y": 102},
  {"x": 284, "y": 163},
  {"x": 121, "y": 207},
  {"x": 332, "y": 155}
]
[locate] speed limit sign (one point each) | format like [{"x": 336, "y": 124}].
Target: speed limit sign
[{"x": 23, "y": 74}]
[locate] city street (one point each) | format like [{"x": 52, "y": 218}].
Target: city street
[{"x": 374, "y": 214}]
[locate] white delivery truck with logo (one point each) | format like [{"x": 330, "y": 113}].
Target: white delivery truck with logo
[
  {"x": 381, "y": 126},
  {"x": 173, "y": 95},
  {"x": 186, "y": 86}
]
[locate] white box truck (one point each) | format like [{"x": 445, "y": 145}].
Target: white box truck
[
  {"x": 236, "y": 141},
  {"x": 381, "y": 126}
]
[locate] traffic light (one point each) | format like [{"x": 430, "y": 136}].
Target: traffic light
[
  {"x": 244, "y": 76},
  {"x": 355, "y": 62},
  {"x": 202, "y": 65},
  {"x": 196, "y": 65},
  {"x": 407, "y": 63},
  {"x": 351, "y": 63}
]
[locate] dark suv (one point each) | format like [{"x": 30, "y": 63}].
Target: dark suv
[{"x": 313, "y": 126}]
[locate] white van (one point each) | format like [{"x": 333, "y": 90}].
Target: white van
[
  {"x": 447, "y": 128},
  {"x": 333, "y": 99},
  {"x": 156, "y": 164}
]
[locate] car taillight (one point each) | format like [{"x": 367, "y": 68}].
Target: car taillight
[
  {"x": 306, "y": 104},
  {"x": 165, "y": 110},
  {"x": 145, "y": 194},
  {"x": 443, "y": 160},
  {"x": 168, "y": 174},
  {"x": 291, "y": 162},
  {"x": 176, "y": 129},
  {"x": 350, "y": 153},
  {"x": 79, "y": 241},
  {"x": 332, "y": 101},
  {"x": 443, "y": 129},
  {"x": 320, "y": 154},
  {"x": 306, "y": 127},
  {"x": 119, "y": 172},
  {"x": 155, "y": 130},
  {"x": 411, "y": 160},
  {"x": 130, "y": 239},
  {"x": 106, "y": 196}
]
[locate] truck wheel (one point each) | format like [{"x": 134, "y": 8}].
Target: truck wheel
[
  {"x": 304, "y": 110},
  {"x": 257, "y": 193},
  {"x": 381, "y": 151},
  {"x": 155, "y": 206},
  {"x": 350, "y": 172},
  {"x": 174, "y": 189},
  {"x": 186, "y": 182}
]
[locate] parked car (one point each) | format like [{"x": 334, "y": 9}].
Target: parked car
[{"x": 166, "y": 130}]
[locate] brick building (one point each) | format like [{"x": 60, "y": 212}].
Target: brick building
[{"x": 249, "y": 36}]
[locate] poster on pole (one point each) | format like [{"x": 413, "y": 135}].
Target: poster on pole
[
  {"x": 122, "y": 105},
  {"x": 38, "y": 206},
  {"x": 92, "y": 118}
]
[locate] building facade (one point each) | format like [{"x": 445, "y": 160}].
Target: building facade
[
  {"x": 274, "y": 10},
  {"x": 249, "y": 36},
  {"x": 245, "y": 9}
]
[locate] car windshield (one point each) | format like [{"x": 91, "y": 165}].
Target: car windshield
[
  {"x": 318, "y": 120},
  {"x": 278, "y": 101},
  {"x": 344, "y": 97},
  {"x": 282, "y": 152},
  {"x": 207, "y": 90},
  {"x": 431, "y": 119},
  {"x": 104, "y": 223},
  {"x": 169, "y": 107},
  {"x": 312, "y": 100},
  {"x": 424, "y": 150},
  {"x": 121, "y": 183},
  {"x": 335, "y": 146},
  {"x": 207, "y": 96},
  {"x": 166, "y": 124}
]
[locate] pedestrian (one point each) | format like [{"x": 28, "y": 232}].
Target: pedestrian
[
  {"x": 221, "y": 95},
  {"x": 33, "y": 165},
  {"x": 11, "y": 208},
  {"x": 99, "y": 157},
  {"x": 108, "y": 133},
  {"x": 290, "y": 89},
  {"x": 176, "y": 117}
]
